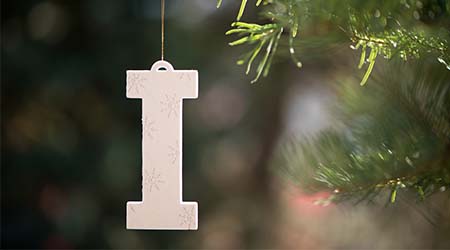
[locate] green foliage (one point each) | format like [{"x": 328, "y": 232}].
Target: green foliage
[
  {"x": 393, "y": 136},
  {"x": 264, "y": 36},
  {"x": 387, "y": 28},
  {"x": 393, "y": 41},
  {"x": 241, "y": 9}
]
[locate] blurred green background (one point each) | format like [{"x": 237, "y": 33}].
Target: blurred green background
[{"x": 71, "y": 140}]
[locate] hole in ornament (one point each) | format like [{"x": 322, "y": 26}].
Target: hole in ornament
[{"x": 162, "y": 66}]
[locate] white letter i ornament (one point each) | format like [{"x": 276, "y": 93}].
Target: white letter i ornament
[{"x": 162, "y": 90}]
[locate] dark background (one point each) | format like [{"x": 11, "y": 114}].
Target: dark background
[{"x": 71, "y": 140}]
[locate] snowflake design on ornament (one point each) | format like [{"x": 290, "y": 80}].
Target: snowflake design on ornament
[
  {"x": 135, "y": 83},
  {"x": 185, "y": 75},
  {"x": 152, "y": 180},
  {"x": 148, "y": 127},
  {"x": 174, "y": 152},
  {"x": 170, "y": 105},
  {"x": 187, "y": 217}
]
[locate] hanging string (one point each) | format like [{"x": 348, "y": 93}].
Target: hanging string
[{"x": 162, "y": 28}]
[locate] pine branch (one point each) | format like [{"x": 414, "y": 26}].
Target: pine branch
[
  {"x": 395, "y": 138},
  {"x": 264, "y": 36},
  {"x": 369, "y": 25},
  {"x": 393, "y": 41}
]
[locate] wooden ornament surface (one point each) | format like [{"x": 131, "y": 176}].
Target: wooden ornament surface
[{"x": 162, "y": 92}]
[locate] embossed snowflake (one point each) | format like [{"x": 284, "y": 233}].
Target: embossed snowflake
[
  {"x": 174, "y": 152},
  {"x": 148, "y": 127},
  {"x": 187, "y": 217},
  {"x": 152, "y": 180},
  {"x": 135, "y": 83},
  {"x": 170, "y": 105},
  {"x": 185, "y": 75}
]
